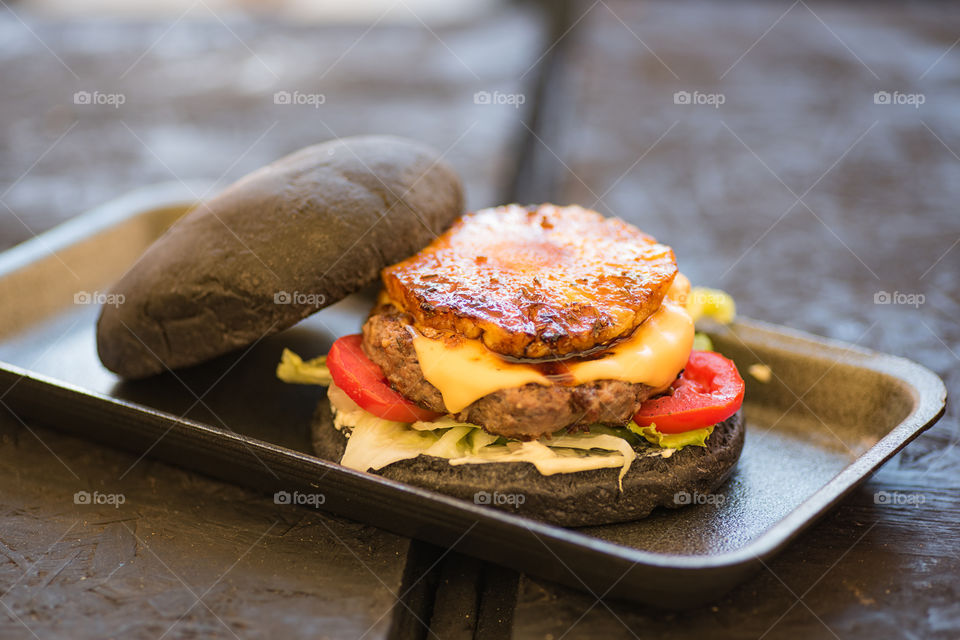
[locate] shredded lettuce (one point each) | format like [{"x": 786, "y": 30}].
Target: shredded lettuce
[
  {"x": 600, "y": 442},
  {"x": 702, "y": 342},
  {"x": 294, "y": 370},
  {"x": 619, "y": 432},
  {"x": 703, "y": 302},
  {"x": 373, "y": 443},
  {"x": 561, "y": 455},
  {"x": 479, "y": 439},
  {"x": 694, "y": 437}
]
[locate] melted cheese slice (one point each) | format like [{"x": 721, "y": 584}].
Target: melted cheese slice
[{"x": 466, "y": 371}]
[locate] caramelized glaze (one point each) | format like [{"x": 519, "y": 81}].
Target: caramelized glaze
[{"x": 535, "y": 282}]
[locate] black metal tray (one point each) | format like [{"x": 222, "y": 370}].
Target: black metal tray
[{"x": 830, "y": 415}]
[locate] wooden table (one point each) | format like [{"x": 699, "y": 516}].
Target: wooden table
[{"x": 784, "y": 179}]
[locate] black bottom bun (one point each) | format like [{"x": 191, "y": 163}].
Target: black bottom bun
[{"x": 566, "y": 499}]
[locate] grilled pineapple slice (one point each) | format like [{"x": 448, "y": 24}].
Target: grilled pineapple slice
[{"x": 535, "y": 282}]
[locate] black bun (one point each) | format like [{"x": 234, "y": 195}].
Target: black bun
[
  {"x": 274, "y": 247},
  {"x": 567, "y": 499}
]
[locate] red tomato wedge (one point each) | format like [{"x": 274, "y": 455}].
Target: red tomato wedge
[
  {"x": 362, "y": 380},
  {"x": 709, "y": 391}
]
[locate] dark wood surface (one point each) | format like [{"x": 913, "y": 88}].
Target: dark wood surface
[
  {"x": 199, "y": 104},
  {"x": 799, "y": 195},
  {"x": 803, "y": 199}
]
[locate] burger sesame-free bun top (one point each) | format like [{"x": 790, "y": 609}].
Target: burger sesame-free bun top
[{"x": 274, "y": 247}]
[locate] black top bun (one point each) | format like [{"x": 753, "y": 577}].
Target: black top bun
[
  {"x": 274, "y": 247},
  {"x": 566, "y": 499}
]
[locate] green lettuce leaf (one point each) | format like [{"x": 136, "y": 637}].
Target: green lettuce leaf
[
  {"x": 715, "y": 304},
  {"x": 702, "y": 342},
  {"x": 294, "y": 370},
  {"x": 694, "y": 437}
]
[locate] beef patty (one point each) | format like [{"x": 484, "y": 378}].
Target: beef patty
[{"x": 524, "y": 413}]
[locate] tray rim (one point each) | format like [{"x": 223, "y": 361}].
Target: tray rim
[
  {"x": 928, "y": 390},
  {"x": 98, "y": 219},
  {"x": 760, "y": 547}
]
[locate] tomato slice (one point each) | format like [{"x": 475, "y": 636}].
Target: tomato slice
[
  {"x": 709, "y": 391},
  {"x": 363, "y": 381}
]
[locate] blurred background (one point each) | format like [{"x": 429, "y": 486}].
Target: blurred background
[
  {"x": 803, "y": 155},
  {"x": 749, "y": 135}
]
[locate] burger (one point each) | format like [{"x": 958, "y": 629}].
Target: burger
[{"x": 540, "y": 359}]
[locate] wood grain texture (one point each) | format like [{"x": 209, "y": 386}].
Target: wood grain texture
[
  {"x": 200, "y": 100},
  {"x": 719, "y": 185},
  {"x": 180, "y": 554},
  {"x": 876, "y": 213},
  {"x": 199, "y": 104}
]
